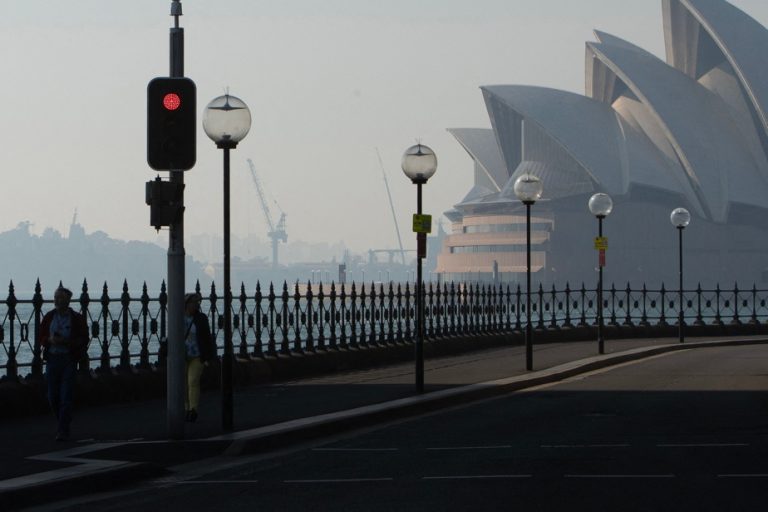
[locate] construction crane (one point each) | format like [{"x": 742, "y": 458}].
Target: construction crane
[
  {"x": 277, "y": 231},
  {"x": 392, "y": 207}
]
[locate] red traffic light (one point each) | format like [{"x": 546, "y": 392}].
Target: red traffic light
[{"x": 171, "y": 101}]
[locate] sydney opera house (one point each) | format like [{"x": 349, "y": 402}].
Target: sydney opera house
[{"x": 689, "y": 132}]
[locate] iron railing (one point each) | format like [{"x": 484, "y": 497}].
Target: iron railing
[{"x": 129, "y": 331}]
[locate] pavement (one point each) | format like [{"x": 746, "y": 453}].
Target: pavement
[{"x": 124, "y": 443}]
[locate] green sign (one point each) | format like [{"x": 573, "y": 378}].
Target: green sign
[{"x": 422, "y": 223}]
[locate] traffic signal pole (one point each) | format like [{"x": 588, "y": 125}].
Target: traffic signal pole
[{"x": 176, "y": 361}]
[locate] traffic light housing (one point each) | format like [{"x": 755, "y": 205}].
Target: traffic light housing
[
  {"x": 171, "y": 124},
  {"x": 166, "y": 201}
]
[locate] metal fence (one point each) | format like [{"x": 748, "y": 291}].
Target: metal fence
[{"x": 129, "y": 331}]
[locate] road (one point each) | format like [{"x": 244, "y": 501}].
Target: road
[{"x": 681, "y": 431}]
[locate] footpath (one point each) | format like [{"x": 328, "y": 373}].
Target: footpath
[{"x": 124, "y": 443}]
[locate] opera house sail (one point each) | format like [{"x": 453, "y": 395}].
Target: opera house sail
[{"x": 690, "y": 131}]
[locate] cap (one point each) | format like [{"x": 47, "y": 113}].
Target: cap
[{"x": 192, "y": 296}]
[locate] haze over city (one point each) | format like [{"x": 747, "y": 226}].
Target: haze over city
[{"x": 326, "y": 83}]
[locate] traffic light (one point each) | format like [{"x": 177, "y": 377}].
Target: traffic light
[
  {"x": 171, "y": 124},
  {"x": 166, "y": 200}
]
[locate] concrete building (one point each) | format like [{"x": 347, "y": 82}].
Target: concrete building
[{"x": 655, "y": 135}]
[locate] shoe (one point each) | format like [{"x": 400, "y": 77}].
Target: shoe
[
  {"x": 192, "y": 416},
  {"x": 61, "y": 437}
]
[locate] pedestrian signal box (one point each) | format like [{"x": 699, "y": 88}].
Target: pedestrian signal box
[{"x": 171, "y": 124}]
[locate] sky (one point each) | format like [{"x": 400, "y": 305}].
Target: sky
[{"x": 328, "y": 83}]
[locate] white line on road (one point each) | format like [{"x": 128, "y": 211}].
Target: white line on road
[
  {"x": 355, "y": 449},
  {"x": 501, "y": 447},
  {"x": 585, "y": 446},
  {"x": 193, "y": 482},
  {"x": 618, "y": 476},
  {"x": 702, "y": 445},
  {"x": 337, "y": 480},
  {"x": 745, "y": 475},
  {"x": 473, "y": 477}
]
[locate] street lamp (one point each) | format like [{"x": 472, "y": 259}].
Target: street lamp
[
  {"x": 601, "y": 206},
  {"x": 680, "y": 218},
  {"x": 227, "y": 121},
  {"x": 528, "y": 189},
  {"x": 419, "y": 163}
]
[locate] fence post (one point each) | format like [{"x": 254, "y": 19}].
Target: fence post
[
  {"x": 11, "y": 368},
  {"x": 453, "y": 311},
  {"x": 297, "y": 322},
  {"x": 567, "y": 305},
  {"x": 613, "y": 305},
  {"x": 242, "y": 323},
  {"x": 321, "y": 318},
  {"x": 125, "y": 353},
  {"x": 735, "y": 320},
  {"x": 353, "y": 316},
  {"x": 628, "y": 318},
  {"x": 144, "y": 354},
  {"x": 105, "y": 342},
  {"x": 344, "y": 315},
  {"x": 754, "y": 320},
  {"x": 540, "y": 322},
  {"x": 718, "y": 318},
  {"x": 334, "y": 312},
  {"x": 663, "y": 318},
  {"x": 583, "y": 321},
  {"x": 644, "y": 318},
  {"x": 37, "y": 359}
]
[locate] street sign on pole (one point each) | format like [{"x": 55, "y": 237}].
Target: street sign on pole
[
  {"x": 602, "y": 257},
  {"x": 601, "y": 243},
  {"x": 422, "y": 223}
]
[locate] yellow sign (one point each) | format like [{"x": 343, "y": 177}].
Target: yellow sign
[
  {"x": 422, "y": 223},
  {"x": 601, "y": 243}
]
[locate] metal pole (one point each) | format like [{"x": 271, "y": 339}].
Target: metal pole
[
  {"x": 680, "y": 316},
  {"x": 176, "y": 369},
  {"x": 528, "y": 330},
  {"x": 226, "y": 366},
  {"x": 600, "y": 341},
  {"x": 419, "y": 307}
]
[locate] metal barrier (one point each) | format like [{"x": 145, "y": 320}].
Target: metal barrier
[{"x": 130, "y": 331}]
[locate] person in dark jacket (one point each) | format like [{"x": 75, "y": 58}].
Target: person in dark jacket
[
  {"x": 63, "y": 335},
  {"x": 200, "y": 350}
]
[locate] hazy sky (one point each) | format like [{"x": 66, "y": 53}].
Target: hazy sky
[{"x": 327, "y": 82}]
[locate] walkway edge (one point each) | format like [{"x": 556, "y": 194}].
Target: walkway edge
[{"x": 282, "y": 434}]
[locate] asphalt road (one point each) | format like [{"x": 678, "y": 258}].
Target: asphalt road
[{"x": 682, "y": 431}]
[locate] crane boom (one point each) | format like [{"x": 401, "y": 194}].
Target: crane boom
[
  {"x": 276, "y": 233},
  {"x": 391, "y": 206},
  {"x": 262, "y": 200}
]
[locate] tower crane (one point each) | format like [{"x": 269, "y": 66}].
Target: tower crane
[
  {"x": 392, "y": 207},
  {"x": 277, "y": 231}
]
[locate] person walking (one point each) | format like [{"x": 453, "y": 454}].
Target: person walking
[
  {"x": 200, "y": 349},
  {"x": 63, "y": 335}
]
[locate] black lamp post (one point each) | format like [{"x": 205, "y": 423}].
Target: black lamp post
[
  {"x": 227, "y": 121},
  {"x": 419, "y": 164},
  {"x": 680, "y": 218},
  {"x": 528, "y": 189},
  {"x": 601, "y": 206}
]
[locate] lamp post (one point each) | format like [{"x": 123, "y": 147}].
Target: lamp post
[
  {"x": 528, "y": 189},
  {"x": 419, "y": 163},
  {"x": 601, "y": 206},
  {"x": 226, "y": 121},
  {"x": 680, "y": 218}
]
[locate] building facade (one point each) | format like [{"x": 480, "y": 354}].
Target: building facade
[{"x": 654, "y": 135}]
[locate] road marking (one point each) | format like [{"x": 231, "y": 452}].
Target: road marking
[
  {"x": 702, "y": 445},
  {"x": 618, "y": 476},
  {"x": 473, "y": 477},
  {"x": 585, "y": 446},
  {"x": 355, "y": 449},
  {"x": 337, "y": 480},
  {"x": 745, "y": 475},
  {"x": 193, "y": 482},
  {"x": 449, "y": 448}
]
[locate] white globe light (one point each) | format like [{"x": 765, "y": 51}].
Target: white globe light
[
  {"x": 419, "y": 163},
  {"x": 680, "y": 217},
  {"x": 601, "y": 205},
  {"x": 226, "y": 120},
  {"x": 528, "y": 188}
]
